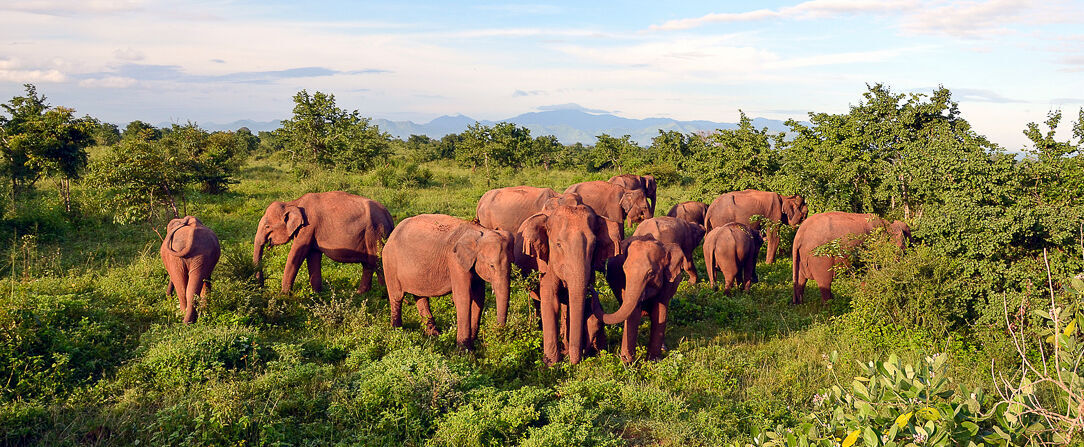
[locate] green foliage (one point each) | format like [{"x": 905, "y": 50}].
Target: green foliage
[
  {"x": 53, "y": 344},
  {"x": 323, "y": 134},
  {"x": 733, "y": 159},
  {"x": 141, "y": 178},
  {"x": 613, "y": 153},
  {"x": 172, "y": 357}
]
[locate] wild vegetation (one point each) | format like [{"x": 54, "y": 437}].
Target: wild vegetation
[{"x": 970, "y": 336}]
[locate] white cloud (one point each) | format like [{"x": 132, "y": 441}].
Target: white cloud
[
  {"x": 108, "y": 82},
  {"x": 73, "y": 8},
  {"x": 972, "y": 19},
  {"x": 128, "y": 54},
  {"x": 15, "y": 70},
  {"x": 807, "y": 10}
]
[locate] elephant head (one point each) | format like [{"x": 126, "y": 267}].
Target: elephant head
[
  {"x": 278, "y": 225},
  {"x": 635, "y": 205},
  {"x": 794, "y": 210},
  {"x": 649, "y": 267},
  {"x": 567, "y": 243},
  {"x": 900, "y": 232},
  {"x": 489, "y": 253}
]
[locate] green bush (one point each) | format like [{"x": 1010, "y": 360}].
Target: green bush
[
  {"x": 52, "y": 344},
  {"x": 171, "y": 357},
  {"x": 492, "y": 418}
]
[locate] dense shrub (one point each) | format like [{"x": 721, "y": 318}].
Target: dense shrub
[
  {"x": 175, "y": 356},
  {"x": 52, "y": 344}
]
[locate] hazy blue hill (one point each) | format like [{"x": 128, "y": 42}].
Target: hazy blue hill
[{"x": 569, "y": 123}]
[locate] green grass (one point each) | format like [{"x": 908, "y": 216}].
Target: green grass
[{"x": 96, "y": 353}]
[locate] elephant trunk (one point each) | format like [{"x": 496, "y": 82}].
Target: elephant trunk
[
  {"x": 630, "y": 299},
  {"x": 257, "y": 253},
  {"x": 577, "y": 299},
  {"x": 501, "y": 291}
]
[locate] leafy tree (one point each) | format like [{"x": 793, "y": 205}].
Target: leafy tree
[
  {"x": 613, "y": 153},
  {"x": 732, "y": 159},
  {"x": 141, "y": 130},
  {"x": 139, "y": 177},
  {"x": 36, "y": 140},
  {"x": 320, "y": 132},
  {"x": 106, "y": 134},
  {"x": 672, "y": 147},
  {"x": 210, "y": 159}
]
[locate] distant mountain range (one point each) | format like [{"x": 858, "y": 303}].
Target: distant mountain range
[{"x": 569, "y": 123}]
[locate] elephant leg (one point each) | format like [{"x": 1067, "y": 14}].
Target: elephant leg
[
  {"x": 431, "y": 328},
  {"x": 366, "y": 282},
  {"x": 823, "y": 277},
  {"x": 773, "y": 245},
  {"x": 596, "y": 331},
  {"x": 477, "y": 304},
  {"x": 549, "y": 310},
  {"x": 563, "y": 315},
  {"x": 191, "y": 291},
  {"x": 298, "y": 253},
  {"x": 629, "y": 335},
  {"x": 316, "y": 279},
  {"x": 729, "y": 285},
  {"x": 799, "y": 288},
  {"x": 749, "y": 274},
  {"x": 657, "y": 313}
]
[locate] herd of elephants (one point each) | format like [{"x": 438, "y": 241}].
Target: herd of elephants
[{"x": 565, "y": 237}]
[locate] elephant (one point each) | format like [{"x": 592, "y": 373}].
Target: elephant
[
  {"x": 691, "y": 211},
  {"x": 822, "y": 228},
  {"x": 740, "y": 206},
  {"x": 644, "y": 278},
  {"x": 676, "y": 231},
  {"x": 645, "y": 183},
  {"x": 566, "y": 242},
  {"x": 613, "y": 202},
  {"x": 189, "y": 252},
  {"x": 343, "y": 226},
  {"x": 431, "y": 255},
  {"x": 506, "y": 208},
  {"x": 733, "y": 249}
]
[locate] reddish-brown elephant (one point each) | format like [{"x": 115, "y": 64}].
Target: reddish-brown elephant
[
  {"x": 431, "y": 255},
  {"x": 691, "y": 211},
  {"x": 613, "y": 202},
  {"x": 672, "y": 230},
  {"x": 644, "y": 278},
  {"x": 190, "y": 252},
  {"x": 740, "y": 206},
  {"x": 645, "y": 183},
  {"x": 506, "y": 208},
  {"x": 822, "y": 228},
  {"x": 566, "y": 241},
  {"x": 732, "y": 249},
  {"x": 343, "y": 226}
]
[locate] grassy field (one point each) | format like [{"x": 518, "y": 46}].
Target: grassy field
[{"x": 98, "y": 354}]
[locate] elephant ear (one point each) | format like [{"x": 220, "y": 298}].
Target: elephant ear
[
  {"x": 294, "y": 219},
  {"x": 696, "y": 232},
  {"x": 676, "y": 263},
  {"x": 608, "y": 235},
  {"x": 536, "y": 240},
  {"x": 466, "y": 249}
]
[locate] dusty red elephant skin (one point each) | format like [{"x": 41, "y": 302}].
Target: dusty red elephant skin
[
  {"x": 431, "y": 255},
  {"x": 740, "y": 206},
  {"x": 342, "y": 226},
  {"x": 566, "y": 241},
  {"x": 645, "y": 183},
  {"x": 190, "y": 252},
  {"x": 732, "y": 249},
  {"x": 676, "y": 231},
  {"x": 691, "y": 211},
  {"x": 822, "y": 228},
  {"x": 613, "y": 202},
  {"x": 644, "y": 278}
]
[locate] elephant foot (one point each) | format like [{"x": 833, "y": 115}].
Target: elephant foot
[{"x": 431, "y": 328}]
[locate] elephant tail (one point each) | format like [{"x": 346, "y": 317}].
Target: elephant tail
[
  {"x": 189, "y": 240},
  {"x": 709, "y": 257}
]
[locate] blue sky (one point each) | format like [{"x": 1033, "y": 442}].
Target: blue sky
[{"x": 1007, "y": 62}]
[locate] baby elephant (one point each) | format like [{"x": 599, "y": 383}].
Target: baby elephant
[
  {"x": 686, "y": 235},
  {"x": 189, "y": 252},
  {"x": 733, "y": 250},
  {"x": 431, "y": 255},
  {"x": 643, "y": 278}
]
